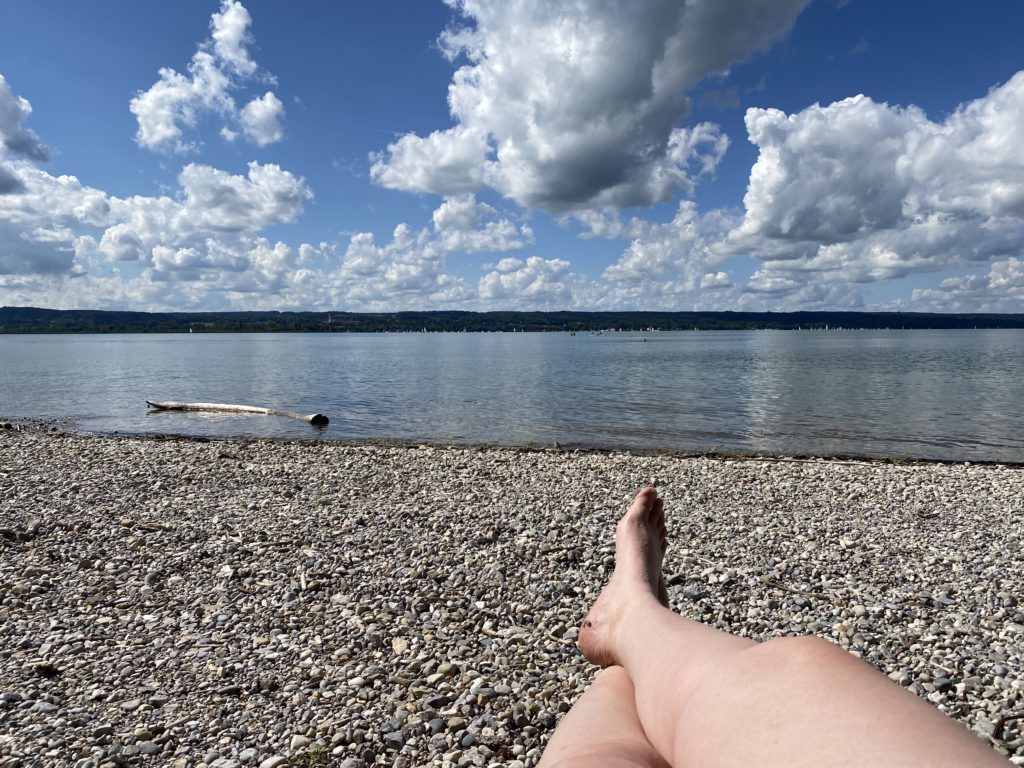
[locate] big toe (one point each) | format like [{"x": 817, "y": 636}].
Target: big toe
[{"x": 644, "y": 503}]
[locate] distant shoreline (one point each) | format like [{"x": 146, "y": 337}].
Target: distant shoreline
[{"x": 17, "y": 320}]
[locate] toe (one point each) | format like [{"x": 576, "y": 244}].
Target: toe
[{"x": 643, "y": 503}]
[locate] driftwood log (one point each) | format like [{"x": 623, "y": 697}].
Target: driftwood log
[{"x": 317, "y": 419}]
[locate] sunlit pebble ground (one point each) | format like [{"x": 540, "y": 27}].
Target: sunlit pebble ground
[{"x": 172, "y": 602}]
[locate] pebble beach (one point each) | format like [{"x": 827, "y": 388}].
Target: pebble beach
[{"x": 236, "y": 603}]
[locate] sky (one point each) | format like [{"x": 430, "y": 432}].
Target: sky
[{"x": 385, "y": 155}]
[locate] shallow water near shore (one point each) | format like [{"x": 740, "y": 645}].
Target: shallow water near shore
[{"x": 951, "y": 395}]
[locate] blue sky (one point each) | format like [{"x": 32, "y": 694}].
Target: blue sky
[{"x": 485, "y": 154}]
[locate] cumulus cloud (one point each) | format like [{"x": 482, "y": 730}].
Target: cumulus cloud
[
  {"x": 670, "y": 265},
  {"x": 221, "y": 65},
  {"x": 57, "y": 225},
  {"x": 971, "y": 163},
  {"x": 445, "y": 162},
  {"x": 463, "y": 224},
  {"x": 531, "y": 282},
  {"x": 1001, "y": 290},
  {"x": 410, "y": 271},
  {"x": 67, "y": 244},
  {"x": 224, "y": 202},
  {"x": 230, "y": 33},
  {"x": 212, "y": 227},
  {"x": 826, "y": 174},
  {"x": 36, "y": 251},
  {"x": 407, "y": 272},
  {"x": 15, "y": 139},
  {"x": 261, "y": 119},
  {"x": 70, "y": 245},
  {"x": 774, "y": 290},
  {"x": 566, "y": 105},
  {"x": 859, "y": 191},
  {"x": 43, "y": 217}
]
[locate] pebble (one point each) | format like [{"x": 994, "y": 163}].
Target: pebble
[{"x": 254, "y": 603}]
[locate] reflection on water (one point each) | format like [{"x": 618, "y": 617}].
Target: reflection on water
[{"x": 929, "y": 394}]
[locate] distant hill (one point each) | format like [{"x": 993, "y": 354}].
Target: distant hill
[{"x": 35, "y": 320}]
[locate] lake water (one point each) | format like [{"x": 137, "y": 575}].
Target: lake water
[{"x": 926, "y": 394}]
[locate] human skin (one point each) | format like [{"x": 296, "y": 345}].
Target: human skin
[{"x": 702, "y": 697}]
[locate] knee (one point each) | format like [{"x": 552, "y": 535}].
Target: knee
[
  {"x": 614, "y": 677},
  {"x": 798, "y": 655}
]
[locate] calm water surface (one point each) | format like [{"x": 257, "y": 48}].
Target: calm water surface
[{"x": 927, "y": 394}]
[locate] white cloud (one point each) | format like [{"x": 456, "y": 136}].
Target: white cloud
[
  {"x": 120, "y": 243},
  {"x": 69, "y": 245},
  {"x": 1001, "y": 290},
  {"x": 533, "y": 283},
  {"x": 231, "y": 36},
  {"x": 261, "y": 119},
  {"x": 775, "y": 291},
  {"x": 410, "y": 271},
  {"x": 463, "y": 224},
  {"x": 213, "y": 227},
  {"x": 176, "y": 102},
  {"x": 41, "y": 219},
  {"x": 16, "y": 140},
  {"x": 826, "y": 174},
  {"x": 670, "y": 265},
  {"x": 33, "y": 252},
  {"x": 715, "y": 280},
  {"x": 971, "y": 163},
  {"x": 220, "y": 201},
  {"x": 208, "y": 234},
  {"x": 566, "y": 105},
  {"x": 857, "y": 191},
  {"x": 445, "y": 162}
]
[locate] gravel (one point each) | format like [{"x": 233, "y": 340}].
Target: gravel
[{"x": 257, "y": 603}]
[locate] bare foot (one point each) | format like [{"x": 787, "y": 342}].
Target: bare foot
[{"x": 640, "y": 544}]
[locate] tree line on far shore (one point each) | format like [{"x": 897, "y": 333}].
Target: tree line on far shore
[{"x": 36, "y": 320}]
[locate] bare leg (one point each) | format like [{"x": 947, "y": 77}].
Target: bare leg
[
  {"x": 602, "y": 729},
  {"x": 706, "y": 698}
]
